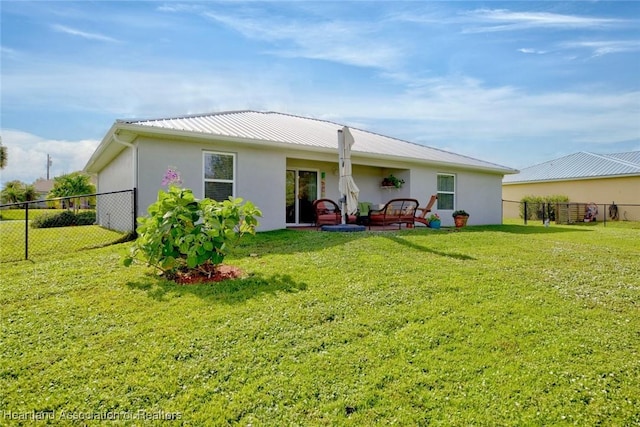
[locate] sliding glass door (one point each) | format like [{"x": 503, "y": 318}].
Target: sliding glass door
[{"x": 302, "y": 190}]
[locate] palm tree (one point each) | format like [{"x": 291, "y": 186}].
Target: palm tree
[
  {"x": 72, "y": 184},
  {"x": 3, "y": 155},
  {"x": 12, "y": 192},
  {"x": 29, "y": 193}
]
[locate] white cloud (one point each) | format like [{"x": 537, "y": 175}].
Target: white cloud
[
  {"x": 27, "y": 156},
  {"x": 459, "y": 108},
  {"x": 338, "y": 41},
  {"x": 532, "y": 51},
  {"x": 7, "y": 51},
  {"x": 601, "y": 48},
  {"x": 179, "y": 7},
  {"x": 78, "y": 33},
  {"x": 494, "y": 20}
]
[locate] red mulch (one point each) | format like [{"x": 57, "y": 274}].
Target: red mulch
[{"x": 206, "y": 273}]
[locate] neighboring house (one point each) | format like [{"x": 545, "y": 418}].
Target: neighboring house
[
  {"x": 42, "y": 187},
  {"x": 282, "y": 163},
  {"x": 585, "y": 178}
]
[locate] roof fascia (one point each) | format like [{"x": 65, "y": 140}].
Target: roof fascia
[
  {"x": 102, "y": 147},
  {"x": 113, "y": 137},
  {"x": 583, "y": 178}
]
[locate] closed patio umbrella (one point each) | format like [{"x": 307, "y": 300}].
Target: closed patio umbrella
[{"x": 346, "y": 184}]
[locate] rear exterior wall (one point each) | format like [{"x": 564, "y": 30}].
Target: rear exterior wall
[{"x": 259, "y": 174}]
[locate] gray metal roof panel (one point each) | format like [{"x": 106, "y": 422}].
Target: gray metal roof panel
[
  {"x": 631, "y": 157},
  {"x": 304, "y": 131},
  {"x": 582, "y": 165}
]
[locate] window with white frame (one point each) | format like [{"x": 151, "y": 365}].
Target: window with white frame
[
  {"x": 446, "y": 191},
  {"x": 219, "y": 175}
]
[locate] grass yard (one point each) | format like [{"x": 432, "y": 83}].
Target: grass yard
[
  {"x": 20, "y": 214},
  {"x": 502, "y": 325},
  {"x": 45, "y": 242}
]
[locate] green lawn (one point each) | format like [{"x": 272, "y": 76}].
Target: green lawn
[
  {"x": 503, "y": 325},
  {"x": 20, "y": 214},
  {"x": 44, "y": 242}
]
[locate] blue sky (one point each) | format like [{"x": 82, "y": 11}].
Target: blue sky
[{"x": 514, "y": 83}]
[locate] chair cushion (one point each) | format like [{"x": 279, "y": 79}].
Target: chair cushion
[{"x": 363, "y": 208}]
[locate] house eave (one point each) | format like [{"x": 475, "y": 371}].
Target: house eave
[{"x": 97, "y": 158}]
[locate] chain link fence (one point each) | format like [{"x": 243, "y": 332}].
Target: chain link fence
[
  {"x": 569, "y": 212},
  {"x": 30, "y": 230}
]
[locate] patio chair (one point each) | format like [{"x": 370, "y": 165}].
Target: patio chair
[
  {"x": 421, "y": 214},
  {"x": 327, "y": 212}
]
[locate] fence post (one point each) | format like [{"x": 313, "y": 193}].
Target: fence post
[
  {"x": 526, "y": 214},
  {"x": 134, "y": 211},
  {"x": 26, "y": 231}
]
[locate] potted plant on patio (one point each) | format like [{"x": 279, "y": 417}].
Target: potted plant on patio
[
  {"x": 460, "y": 217},
  {"x": 433, "y": 221},
  {"x": 392, "y": 181}
]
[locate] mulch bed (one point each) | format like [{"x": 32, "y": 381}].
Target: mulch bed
[{"x": 207, "y": 273}]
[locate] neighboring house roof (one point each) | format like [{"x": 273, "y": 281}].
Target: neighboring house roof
[
  {"x": 582, "y": 165},
  {"x": 632, "y": 157},
  {"x": 43, "y": 186},
  {"x": 266, "y": 128}
]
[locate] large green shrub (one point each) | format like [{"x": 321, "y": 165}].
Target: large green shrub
[
  {"x": 64, "y": 219},
  {"x": 184, "y": 232},
  {"x": 541, "y": 206},
  {"x": 86, "y": 218}
]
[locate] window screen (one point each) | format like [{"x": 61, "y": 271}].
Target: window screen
[
  {"x": 446, "y": 191},
  {"x": 219, "y": 175}
]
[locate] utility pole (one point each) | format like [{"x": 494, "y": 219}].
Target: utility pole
[{"x": 49, "y": 162}]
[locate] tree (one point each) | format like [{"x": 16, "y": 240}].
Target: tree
[
  {"x": 3, "y": 155},
  {"x": 72, "y": 184},
  {"x": 13, "y": 192},
  {"x": 29, "y": 193}
]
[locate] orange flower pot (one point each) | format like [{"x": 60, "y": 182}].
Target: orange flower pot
[{"x": 460, "y": 221}]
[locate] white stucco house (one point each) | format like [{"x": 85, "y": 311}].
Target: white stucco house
[{"x": 283, "y": 162}]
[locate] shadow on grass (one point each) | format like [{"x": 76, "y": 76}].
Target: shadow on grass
[
  {"x": 422, "y": 248},
  {"x": 226, "y": 292}
]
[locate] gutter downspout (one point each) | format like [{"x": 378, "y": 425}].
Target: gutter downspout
[
  {"x": 134, "y": 159},
  {"x": 134, "y": 165}
]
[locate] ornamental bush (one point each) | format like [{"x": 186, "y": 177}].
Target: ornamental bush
[
  {"x": 64, "y": 219},
  {"x": 537, "y": 204},
  {"x": 184, "y": 232},
  {"x": 86, "y": 218}
]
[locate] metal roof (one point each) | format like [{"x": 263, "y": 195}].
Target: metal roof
[
  {"x": 632, "y": 157},
  {"x": 309, "y": 132},
  {"x": 582, "y": 165}
]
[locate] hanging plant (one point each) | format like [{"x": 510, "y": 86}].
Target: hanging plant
[{"x": 392, "y": 181}]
